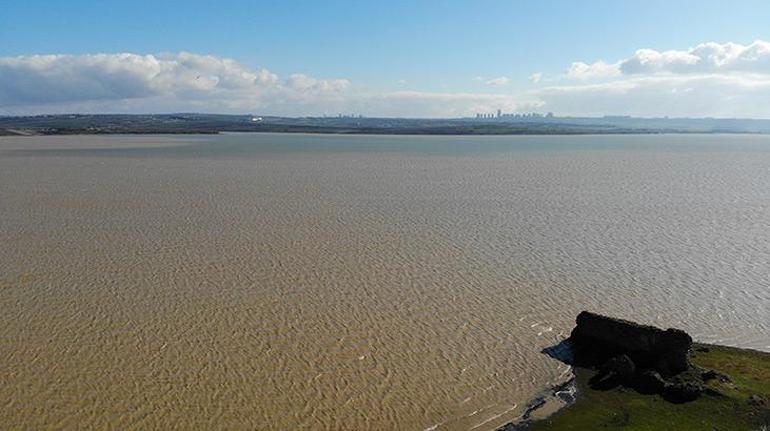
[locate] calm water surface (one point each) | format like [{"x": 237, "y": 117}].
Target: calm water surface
[{"x": 355, "y": 282}]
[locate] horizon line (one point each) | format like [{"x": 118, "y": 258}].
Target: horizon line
[{"x": 362, "y": 116}]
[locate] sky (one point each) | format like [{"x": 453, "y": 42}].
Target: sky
[{"x": 387, "y": 58}]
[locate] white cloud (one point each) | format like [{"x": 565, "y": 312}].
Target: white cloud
[
  {"x": 710, "y": 79},
  {"x": 660, "y": 95},
  {"x": 704, "y": 58},
  {"x": 169, "y": 81},
  {"x": 651, "y": 61},
  {"x": 308, "y": 84},
  {"x": 498, "y": 82},
  {"x": 600, "y": 69},
  {"x": 192, "y": 82}
]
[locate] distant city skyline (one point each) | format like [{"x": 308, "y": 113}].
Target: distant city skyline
[{"x": 394, "y": 59}]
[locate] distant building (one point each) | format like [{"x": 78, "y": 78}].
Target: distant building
[{"x": 524, "y": 116}]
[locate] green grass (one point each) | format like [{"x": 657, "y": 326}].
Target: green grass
[{"x": 725, "y": 409}]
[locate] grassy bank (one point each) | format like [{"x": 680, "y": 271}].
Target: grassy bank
[{"x": 726, "y": 406}]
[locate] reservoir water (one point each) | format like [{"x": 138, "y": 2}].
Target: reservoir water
[{"x": 267, "y": 281}]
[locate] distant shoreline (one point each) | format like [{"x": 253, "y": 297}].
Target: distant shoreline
[
  {"x": 6, "y": 134},
  {"x": 197, "y": 124},
  {"x": 12, "y": 133}
]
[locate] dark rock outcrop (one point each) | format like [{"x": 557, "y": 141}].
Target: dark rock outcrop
[
  {"x": 622, "y": 366},
  {"x": 649, "y": 382},
  {"x": 714, "y": 375},
  {"x": 682, "y": 392},
  {"x": 618, "y": 370},
  {"x": 596, "y": 339},
  {"x": 648, "y": 359}
]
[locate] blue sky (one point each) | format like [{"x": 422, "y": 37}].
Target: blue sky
[{"x": 378, "y": 48}]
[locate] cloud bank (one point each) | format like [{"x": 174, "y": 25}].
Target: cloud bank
[
  {"x": 704, "y": 58},
  {"x": 710, "y": 79},
  {"x": 168, "y": 81},
  {"x": 190, "y": 82}
]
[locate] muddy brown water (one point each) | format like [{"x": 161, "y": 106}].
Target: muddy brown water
[{"x": 247, "y": 281}]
